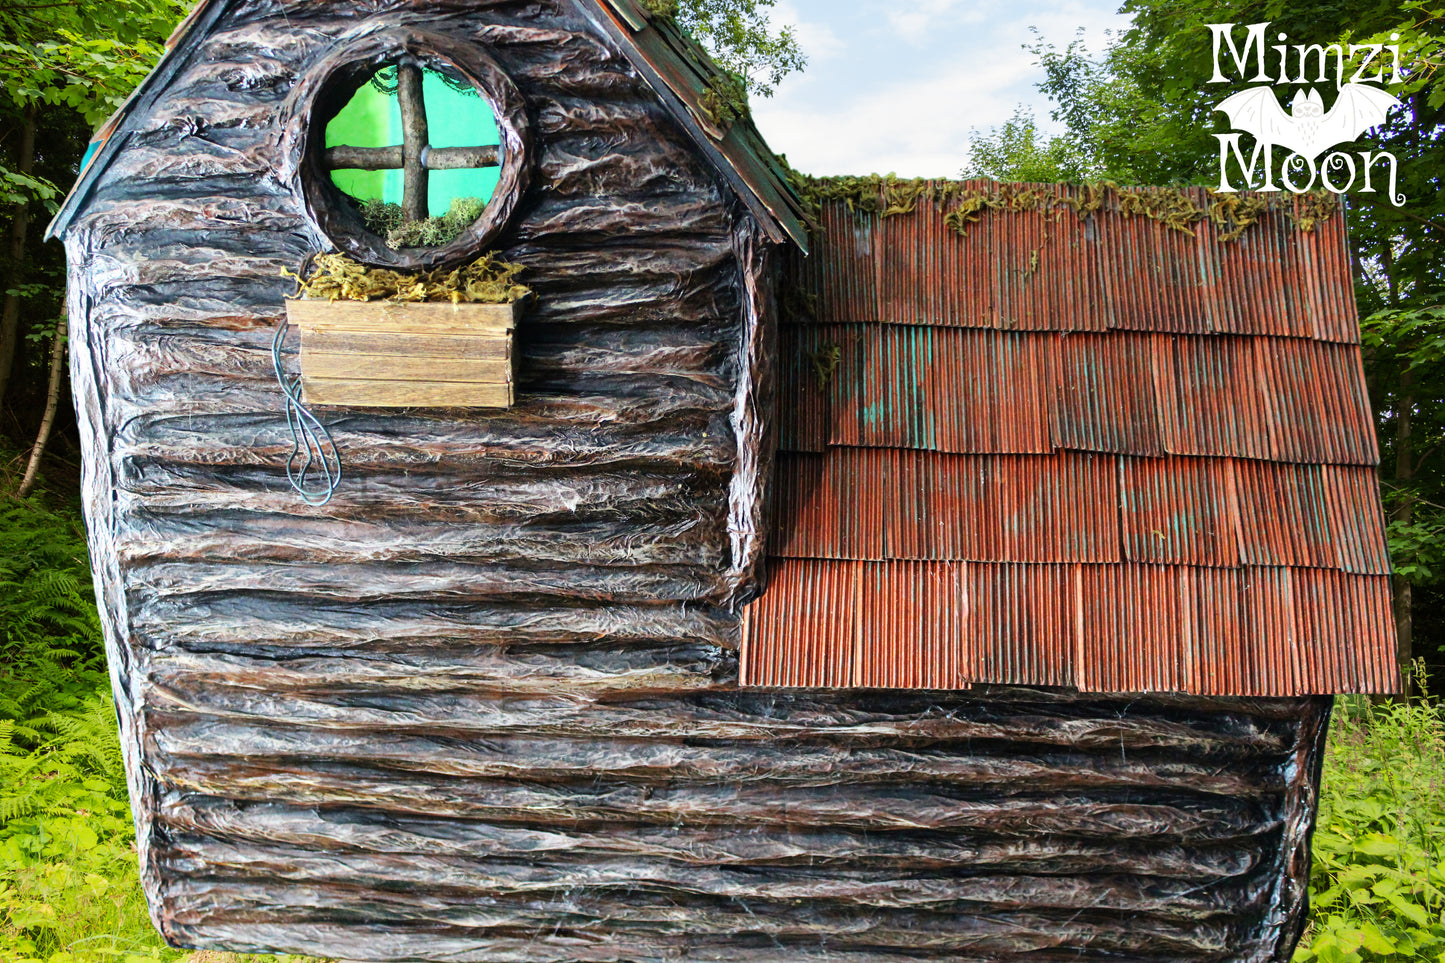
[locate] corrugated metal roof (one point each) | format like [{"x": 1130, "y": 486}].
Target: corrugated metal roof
[
  {"x": 1052, "y": 270},
  {"x": 1141, "y": 463},
  {"x": 1136, "y": 393},
  {"x": 888, "y": 503},
  {"x": 1250, "y": 631}
]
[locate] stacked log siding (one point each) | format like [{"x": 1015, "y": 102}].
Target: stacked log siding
[{"x": 483, "y": 705}]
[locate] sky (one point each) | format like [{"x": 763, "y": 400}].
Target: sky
[{"x": 896, "y": 85}]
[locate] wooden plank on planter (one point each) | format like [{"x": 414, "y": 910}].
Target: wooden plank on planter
[
  {"x": 381, "y": 369},
  {"x": 472, "y": 347},
  {"x": 392, "y": 317},
  {"x": 387, "y": 354},
  {"x": 404, "y": 394}
]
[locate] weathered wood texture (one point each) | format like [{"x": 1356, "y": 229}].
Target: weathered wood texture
[
  {"x": 383, "y": 355},
  {"x": 482, "y": 705}
]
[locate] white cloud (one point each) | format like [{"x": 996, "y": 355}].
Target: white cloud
[
  {"x": 816, "y": 38},
  {"x": 916, "y": 127},
  {"x": 901, "y": 90},
  {"x": 916, "y": 21}
]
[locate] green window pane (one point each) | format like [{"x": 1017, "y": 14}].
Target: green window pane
[{"x": 455, "y": 118}]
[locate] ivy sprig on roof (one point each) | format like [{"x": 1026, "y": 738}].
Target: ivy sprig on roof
[{"x": 964, "y": 202}]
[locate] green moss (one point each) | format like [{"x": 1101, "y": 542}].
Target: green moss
[
  {"x": 661, "y": 9},
  {"x": 964, "y": 202},
  {"x": 725, "y": 101},
  {"x": 386, "y": 220},
  {"x": 487, "y": 280},
  {"x": 437, "y": 231},
  {"x": 380, "y": 217}
]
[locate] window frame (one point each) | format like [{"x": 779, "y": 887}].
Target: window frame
[{"x": 330, "y": 85}]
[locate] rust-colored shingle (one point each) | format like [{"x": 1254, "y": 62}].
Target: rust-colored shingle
[
  {"x": 1094, "y": 452},
  {"x": 1137, "y": 393}
]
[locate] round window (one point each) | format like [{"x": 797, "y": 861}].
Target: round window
[{"x": 414, "y": 150}]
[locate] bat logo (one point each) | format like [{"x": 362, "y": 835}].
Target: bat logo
[{"x": 1309, "y": 130}]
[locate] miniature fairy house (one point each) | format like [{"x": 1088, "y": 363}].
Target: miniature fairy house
[{"x": 1073, "y": 525}]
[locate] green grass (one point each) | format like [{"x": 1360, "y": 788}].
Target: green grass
[{"x": 69, "y": 891}]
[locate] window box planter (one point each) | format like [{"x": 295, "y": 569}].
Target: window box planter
[{"x": 386, "y": 354}]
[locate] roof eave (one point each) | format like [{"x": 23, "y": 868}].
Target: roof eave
[
  {"x": 769, "y": 198},
  {"x": 200, "y": 19},
  {"x": 738, "y": 153}
]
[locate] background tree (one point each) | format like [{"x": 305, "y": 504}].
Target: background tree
[
  {"x": 741, "y": 38},
  {"x": 63, "y": 68}
]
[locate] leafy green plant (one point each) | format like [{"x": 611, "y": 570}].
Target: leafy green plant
[
  {"x": 69, "y": 890},
  {"x": 1378, "y": 882}
]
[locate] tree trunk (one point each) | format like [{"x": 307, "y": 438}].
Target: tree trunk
[
  {"x": 19, "y": 225},
  {"x": 52, "y": 402},
  {"x": 1404, "y": 512}
]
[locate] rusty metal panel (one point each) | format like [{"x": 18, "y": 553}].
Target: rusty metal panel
[
  {"x": 929, "y": 275},
  {"x": 1023, "y": 623},
  {"x": 1345, "y": 631},
  {"x": 1210, "y": 402},
  {"x": 830, "y": 623},
  {"x": 1130, "y": 617},
  {"x": 1179, "y": 510},
  {"x": 981, "y": 391},
  {"x": 1153, "y": 277},
  {"x": 1336, "y": 318},
  {"x": 914, "y": 617},
  {"x": 1050, "y": 269},
  {"x": 1255, "y": 631},
  {"x": 1061, "y": 508},
  {"x": 867, "y": 503},
  {"x": 805, "y": 410},
  {"x": 1272, "y": 656},
  {"x": 1045, "y": 268},
  {"x": 1326, "y": 516},
  {"x": 838, "y": 281},
  {"x": 1315, "y": 401},
  {"x": 1213, "y": 652},
  {"x": 905, "y": 386},
  {"x": 890, "y": 503},
  {"x": 1104, "y": 398},
  {"x": 804, "y": 629},
  {"x": 1184, "y": 503}
]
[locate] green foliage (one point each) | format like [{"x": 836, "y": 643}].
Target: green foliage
[
  {"x": 1019, "y": 151},
  {"x": 69, "y": 889},
  {"x": 1378, "y": 881},
  {"x": 740, "y": 37},
  {"x": 17, "y": 188},
  {"x": 1421, "y": 38},
  {"x": 1405, "y": 347},
  {"x": 68, "y": 885},
  {"x": 87, "y": 55},
  {"x": 49, "y": 632}
]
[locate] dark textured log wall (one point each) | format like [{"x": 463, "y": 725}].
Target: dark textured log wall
[{"x": 482, "y": 706}]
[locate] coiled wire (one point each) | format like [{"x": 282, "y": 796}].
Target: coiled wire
[{"x": 314, "y": 465}]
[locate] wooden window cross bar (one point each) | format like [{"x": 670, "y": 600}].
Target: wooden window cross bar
[{"x": 415, "y": 156}]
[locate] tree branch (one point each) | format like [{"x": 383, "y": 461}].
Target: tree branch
[{"x": 52, "y": 402}]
